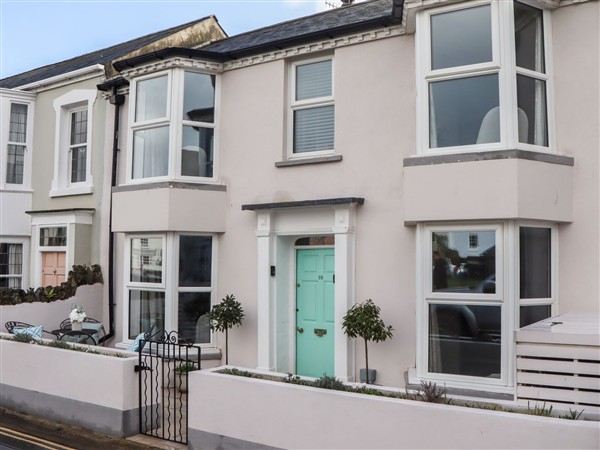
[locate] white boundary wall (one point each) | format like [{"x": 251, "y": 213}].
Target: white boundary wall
[{"x": 239, "y": 412}]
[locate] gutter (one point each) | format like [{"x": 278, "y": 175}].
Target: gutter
[{"x": 96, "y": 69}]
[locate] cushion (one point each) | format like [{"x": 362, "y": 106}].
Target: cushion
[
  {"x": 135, "y": 345},
  {"x": 35, "y": 332}
]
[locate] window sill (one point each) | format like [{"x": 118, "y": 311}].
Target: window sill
[
  {"x": 309, "y": 160},
  {"x": 64, "y": 192},
  {"x": 488, "y": 155},
  {"x": 169, "y": 184}
]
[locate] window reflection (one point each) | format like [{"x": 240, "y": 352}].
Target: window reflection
[
  {"x": 146, "y": 312},
  {"x": 146, "y": 260},
  {"x": 465, "y": 340},
  {"x": 459, "y": 267}
]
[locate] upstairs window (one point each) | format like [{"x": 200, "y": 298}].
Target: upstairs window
[
  {"x": 484, "y": 80},
  {"x": 17, "y": 138},
  {"x": 78, "y": 146},
  {"x": 173, "y": 129},
  {"x": 312, "y": 108}
]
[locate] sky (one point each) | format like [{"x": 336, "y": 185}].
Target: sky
[{"x": 40, "y": 32}]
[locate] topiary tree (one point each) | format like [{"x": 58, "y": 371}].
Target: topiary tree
[
  {"x": 224, "y": 316},
  {"x": 362, "y": 320}
]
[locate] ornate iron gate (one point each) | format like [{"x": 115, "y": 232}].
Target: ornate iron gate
[{"x": 164, "y": 363}]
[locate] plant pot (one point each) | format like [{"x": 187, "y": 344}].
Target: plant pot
[
  {"x": 372, "y": 375},
  {"x": 76, "y": 326}
]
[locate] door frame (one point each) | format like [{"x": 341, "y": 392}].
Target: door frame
[{"x": 294, "y": 299}]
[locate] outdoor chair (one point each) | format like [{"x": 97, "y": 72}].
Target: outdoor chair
[
  {"x": 15, "y": 327},
  {"x": 89, "y": 324}
]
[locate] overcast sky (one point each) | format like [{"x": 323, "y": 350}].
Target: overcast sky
[{"x": 40, "y": 32}]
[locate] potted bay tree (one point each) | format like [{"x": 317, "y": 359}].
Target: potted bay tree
[{"x": 224, "y": 316}]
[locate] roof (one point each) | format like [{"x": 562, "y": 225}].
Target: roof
[
  {"x": 325, "y": 25},
  {"x": 103, "y": 56}
]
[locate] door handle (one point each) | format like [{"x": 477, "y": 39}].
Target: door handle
[{"x": 300, "y": 329}]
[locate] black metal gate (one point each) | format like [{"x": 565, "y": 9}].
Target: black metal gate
[{"x": 164, "y": 363}]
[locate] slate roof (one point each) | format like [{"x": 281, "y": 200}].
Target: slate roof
[
  {"x": 315, "y": 26},
  {"x": 98, "y": 57}
]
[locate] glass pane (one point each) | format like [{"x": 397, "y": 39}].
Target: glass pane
[
  {"x": 316, "y": 240},
  {"x": 199, "y": 97},
  {"x": 193, "y": 316},
  {"x": 195, "y": 259},
  {"x": 460, "y": 38},
  {"x": 53, "y": 237},
  {"x": 529, "y": 37},
  {"x": 465, "y": 340},
  {"x": 11, "y": 260},
  {"x": 533, "y": 313},
  {"x": 78, "y": 164},
  {"x": 151, "y": 99},
  {"x": 313, "y": 129},
  {"x": 313, "y": 80},
  {"x": 535, "y": 262},
  {"x": 533, "y": 120},
  {"x": 146, "y": 260},
  {"x": 15, "y": 162},
  {"x": 79, "y": 127},
  {"x": 197, "y": 152},
  {"x": 17, "y": 130},
  {"x": 146, "y": 312},
  {"x": 457, "y": 267},
  {"x": 464, "y": 111},
  {"x": 151, "y": 153}
]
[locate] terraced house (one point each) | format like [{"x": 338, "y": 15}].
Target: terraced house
[{"x": 439, "y": 157}]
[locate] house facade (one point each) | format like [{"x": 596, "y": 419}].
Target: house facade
[
  {"x": 440, "y": 158},
  {"x": 435, "y": 157}
]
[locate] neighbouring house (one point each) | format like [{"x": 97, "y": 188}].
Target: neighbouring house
[
  {"x": 55, "y": 174},
  {"x": 440, "y": 158}
]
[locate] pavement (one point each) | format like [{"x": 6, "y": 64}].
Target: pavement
[{"x": 27, "y": 426}]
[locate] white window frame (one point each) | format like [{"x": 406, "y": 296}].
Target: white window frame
[
  {"x": 174, "y": 120},
  {"x": 170, "y": 279},
  {"x": 22, "y": 98},
  {"x": 503, "y": 63},
  {"x": 506, "y": 296},
  {"x": 64, "y": 105},
  {"x": 85, "y": 144},
  {"x": 24, "y": 276},
  {"x": 294, "y": 105}
]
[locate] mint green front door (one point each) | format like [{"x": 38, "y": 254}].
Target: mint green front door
[{"x": 314, "y": 311}]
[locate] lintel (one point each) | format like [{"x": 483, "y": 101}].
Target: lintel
[{"x": 304, "y": 203}]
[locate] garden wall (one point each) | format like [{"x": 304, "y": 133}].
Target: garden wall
[
  {"x": 92, "y": 391},
  {"x": 236, "y": 412},
  {"x": 49, "y": 315}
]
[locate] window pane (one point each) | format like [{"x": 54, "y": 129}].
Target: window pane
[
  {"x": 17, "y": 130},
  {"x": 78, "y": 164},
  {"x": 464, "y": 111},
  {"x": 151, "y": 152},
  {"x": 197, "y": 152},
  {"x": 535, "y": 262},
  {"x": 529, "y": 37},
  {"x": 533, "y": 120},
  {"x": 199, "y": 97},
  {"x": 195, "y": 259},
  {"x": 193, "y": 316},
  {"x": 53, "y": 237},
  {"x": 533, "y": 313},
  {"x": 151, "y": 99},
  {"x": 313, "y": 80},
  {"x": 146, "y": 260},
  {"x": 15, "y": 163},
  {"x": 313, "y": 129},
  {"x": 456, "y": 267},
  {"x": 460, "y": 38},
  {"x": 146, "y": 312},
  {"x": 11, "y": 263},
  {"x": 79, "y": 127},
  {"x": 465, "y": 340}
]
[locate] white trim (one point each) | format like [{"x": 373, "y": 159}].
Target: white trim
[
  {"x": 64, "y": 105},
  {"x": 70, "y": 77},
  {"x": 8, "y": 98}
]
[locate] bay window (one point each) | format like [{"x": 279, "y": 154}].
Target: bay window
[
  {"x": 173, "y": 110},
  {"x": 474, "y": 296},
  {"x": 169, "y": 285},
  {"x": 483, "y": 80}
]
